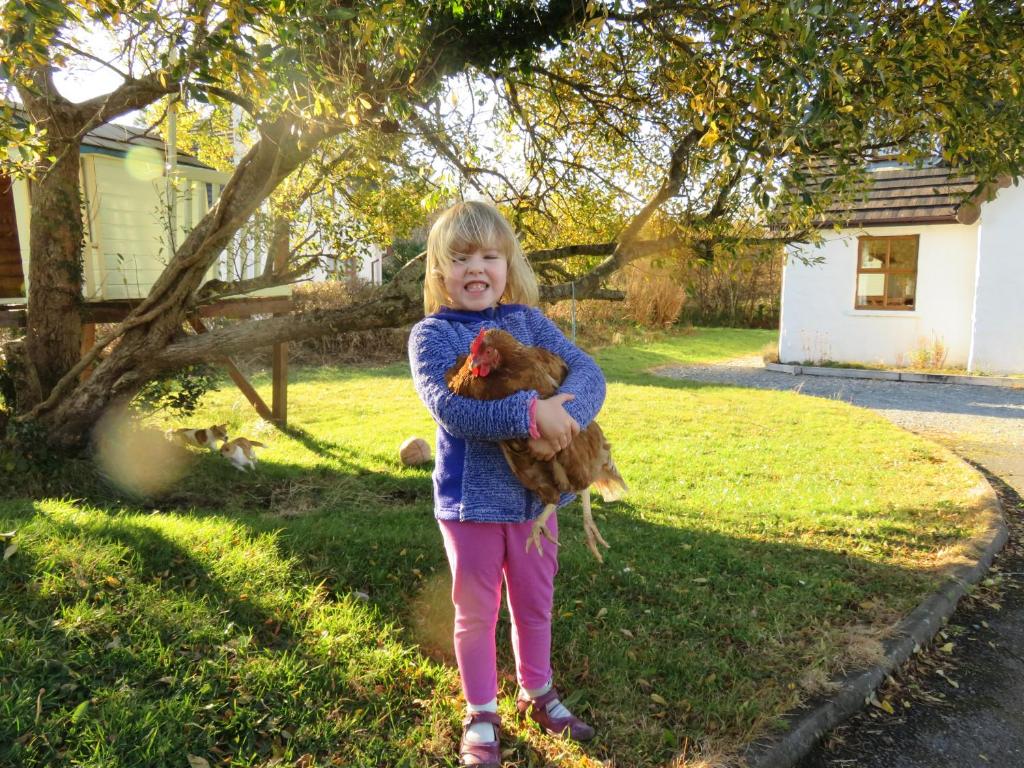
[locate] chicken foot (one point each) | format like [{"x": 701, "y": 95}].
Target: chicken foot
[
  {"x": 541, "y": 531},
  {"x": 590, "y": 528}
]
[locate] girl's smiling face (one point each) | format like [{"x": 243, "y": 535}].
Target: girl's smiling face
[{"x": 477, "y": 279}]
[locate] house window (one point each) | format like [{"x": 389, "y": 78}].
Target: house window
[{"x": 886, "y": 272}]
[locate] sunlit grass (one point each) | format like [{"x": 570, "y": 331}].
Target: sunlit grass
[{"x": 302, "y": 609}]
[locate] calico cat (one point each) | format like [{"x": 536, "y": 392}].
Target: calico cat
[
  {"x": 240, "y": 453},
  {"x": 201, "y": 438}
]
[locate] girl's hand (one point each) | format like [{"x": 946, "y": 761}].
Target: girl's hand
[{"x": 554, "y": 423}]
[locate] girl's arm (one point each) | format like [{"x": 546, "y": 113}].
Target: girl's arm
[
  {"x": 585, "y": 379},
  {"x": 431, "y": 354}
]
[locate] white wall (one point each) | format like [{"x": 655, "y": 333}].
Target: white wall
[
  {"x": 820, "y": 323},
  {"x": 127, "y": 245},
  {"x": 998, "y": 345}
]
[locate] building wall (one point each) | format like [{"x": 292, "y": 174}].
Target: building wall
[
  {"x": 819, "y": 321},
  {"x": 998, "y": 340}
]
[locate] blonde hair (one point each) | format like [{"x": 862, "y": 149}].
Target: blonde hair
[{"x": 464, "y": 228}]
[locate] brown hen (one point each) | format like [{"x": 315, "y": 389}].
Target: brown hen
[{"x": 497, "y": 366}]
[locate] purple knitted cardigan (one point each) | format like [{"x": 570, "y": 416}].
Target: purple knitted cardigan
[{"x": 472, "y": 480}]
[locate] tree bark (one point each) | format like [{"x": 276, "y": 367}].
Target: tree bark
[{"x": 54, "y": 333}]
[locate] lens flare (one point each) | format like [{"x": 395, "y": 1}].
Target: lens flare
[
  {"x": 433, "y": 618},
  {"x": 138, "y": 460},
  {"x": 144, "y": 163}
]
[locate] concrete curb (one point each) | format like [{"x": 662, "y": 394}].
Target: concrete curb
[
  {"x": 917, "y": 378},
  {"x": 809, "y": 724}
]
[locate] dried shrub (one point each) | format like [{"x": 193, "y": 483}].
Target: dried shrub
[
  {"x": 930, "y": 355},
  {"x": 653, "y": 298}
]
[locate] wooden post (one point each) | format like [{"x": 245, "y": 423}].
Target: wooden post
[
  {"x": 88, "y": 342},
  {"x": 279, "y": 353}
]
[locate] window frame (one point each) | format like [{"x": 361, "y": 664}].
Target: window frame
[{"x": 886, "y": 271}]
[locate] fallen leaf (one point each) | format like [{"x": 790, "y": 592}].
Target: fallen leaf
[
  {"x": 947, "y": 648},
  {"x": 7, "y": 535},
  {"x": 197, "y": 762},
  {"x": 660, "y": 700},
  {"x": 10, "y": 549}
]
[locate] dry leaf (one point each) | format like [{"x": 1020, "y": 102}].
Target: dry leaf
[
  {"x": 660, "y": 700},
  {"x": 10, "y": 549},
  {"x": 947, "y": 648},
  {"x": 197, "y": 762}
]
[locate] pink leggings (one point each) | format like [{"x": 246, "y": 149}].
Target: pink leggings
[{"x": 480, "y": 554}]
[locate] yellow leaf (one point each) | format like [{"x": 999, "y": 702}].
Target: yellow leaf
[
  {"x": 947, "y": 648},
  {"x": 660, "y": 700},
  {"x": 709, "y": 139}
]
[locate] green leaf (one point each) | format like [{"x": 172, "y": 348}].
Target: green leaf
[{"x": 79, "y": 712}]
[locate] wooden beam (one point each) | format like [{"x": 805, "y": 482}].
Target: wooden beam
[
  {"x": 279, "y": 354},
  {"x": 257, "y": 305},
  {"x": 114, "y": 311},
  {"x": 88, "y": 342},
  {"x": 238, "y": 377},
  {"x": 279, "y": 367}
]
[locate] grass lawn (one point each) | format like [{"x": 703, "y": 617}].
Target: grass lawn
[{"x": 301, "y": 612}]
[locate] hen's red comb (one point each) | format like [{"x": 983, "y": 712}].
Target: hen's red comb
[{"x": 474, "y": 348}]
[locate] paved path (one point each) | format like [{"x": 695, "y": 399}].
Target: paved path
[{"x": 980, "y": 722}]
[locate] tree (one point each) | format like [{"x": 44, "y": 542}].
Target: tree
[
  {"x": 607, "y": 131},
  {"x": 305, "y": 72}
]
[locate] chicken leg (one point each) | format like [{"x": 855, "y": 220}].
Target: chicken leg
[
  {"x": 540, "y": 529},
  {"x": 590, "y": 528}
]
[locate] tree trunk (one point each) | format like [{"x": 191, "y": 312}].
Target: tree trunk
[{"x": 54, "y": 332}]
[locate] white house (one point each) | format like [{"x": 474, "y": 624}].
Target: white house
[
  {"x": 915, "y": 269},
  {"x": 133, "y": 217}
]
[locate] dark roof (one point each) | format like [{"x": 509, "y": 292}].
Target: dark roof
[
  {"x": 116, "y": 139},
  {"x": 905, "y": 195}
]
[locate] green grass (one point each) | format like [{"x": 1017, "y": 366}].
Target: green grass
[{"x": 302, "y": 610}]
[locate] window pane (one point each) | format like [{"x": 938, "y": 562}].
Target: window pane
[
  {"x": 901, "y": 291},
  {"x": 903, "y": 254},
  {"x": 872, "y": 254},
  {"x": 871, "y": 290}
]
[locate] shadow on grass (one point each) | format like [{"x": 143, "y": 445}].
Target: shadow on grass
[{"x": 718, "y": 627}]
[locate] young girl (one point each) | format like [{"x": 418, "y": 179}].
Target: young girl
[{"x": 477, "y": 277}]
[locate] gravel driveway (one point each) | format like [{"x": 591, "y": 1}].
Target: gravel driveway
[{"x": 981, "y": 722}]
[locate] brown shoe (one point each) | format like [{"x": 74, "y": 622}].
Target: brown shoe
[
  {"x": 570, "y": 726},
  {"x": 487, "y": 754}
]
